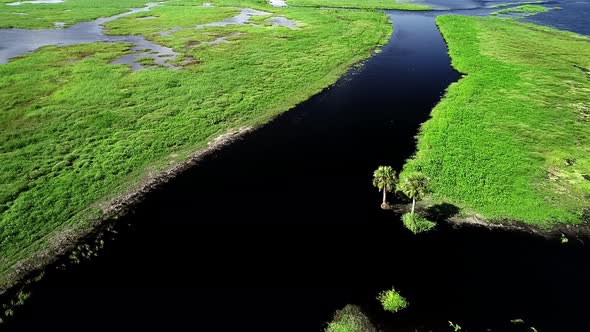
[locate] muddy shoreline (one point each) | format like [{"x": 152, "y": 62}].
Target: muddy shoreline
[{"x": 579, "y": 232}]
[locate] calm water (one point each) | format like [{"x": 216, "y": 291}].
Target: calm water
[{"x": 277, "y": 231}]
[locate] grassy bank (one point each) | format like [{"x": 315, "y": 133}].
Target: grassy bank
[
  {"x": 77, "y": 130},
  {"x": 369, "y": 4},
  {"x": 511, "y": 139}
]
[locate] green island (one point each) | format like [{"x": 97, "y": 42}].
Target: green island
[
  {"x": 511, "y": 4},
  {"x": 526, "y": 10},
  {"x": 78, "y": 131},
  {"x": 366, "y": 4},
  {"x": 511, "y": 140}
]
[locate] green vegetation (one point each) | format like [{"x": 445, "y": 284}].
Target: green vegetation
[
  {"x": 415, "y": 186},
  {"x": 368, "y": 4},
  {"x": 510, "y": 4},
  {"x": 564, "y": 239},
  {"x": 43, "y": 16},
  {"x": 511, "y": 139},
  {"x": 146, "y": 61},
  {"x": 392, "y": 301},
  {"x": 417, "y": 224},
  {"x": 350, "y": 319},
  {"x": 385, "y": 179},
  {"x": 9, "y": 308},
  {"x": 77, "y": 131},
  {"x": 524, "y": 9},
  {"x": 454, "y": 326},
  {"x": 168, "y": 17}
]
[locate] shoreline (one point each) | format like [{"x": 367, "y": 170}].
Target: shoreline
[
  {"x": 66, "y": 240},
  {"x": 579, "y": 231}
]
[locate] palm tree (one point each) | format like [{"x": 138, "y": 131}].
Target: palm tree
[
  {"x": 415, "y": 186},
  {"x": 385, "y": 178}
]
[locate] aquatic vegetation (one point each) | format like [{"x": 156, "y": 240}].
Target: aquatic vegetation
[
  {"x": 350, "y": 319},
  {"x": 78, "y": 131},
  {"x": 511, "y": 139},
  {"x": 146, "y": 61},
  {"x": 385, "y": 179},
  {"x": 392, "y": 301},
  {"x": 524, "y": 10},
  {"x": 416, "y": 223},
  {"x": 16, "y": 301},
  {"x": 371, "y": 4},
  {"x": 564, "y": 239},
  {"x": 168, "y": 17},
  {"x": 511, "y": 4},
  {"x": 454, "y": 326}
]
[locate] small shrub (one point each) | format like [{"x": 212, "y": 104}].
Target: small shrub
[
  {"x": 564, "y": 239},
  {"x": 392, "y": 301},
  {"x": 417, "y": 224}
]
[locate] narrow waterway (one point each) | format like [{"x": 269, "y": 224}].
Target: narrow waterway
[{"x": 277, "y": 231}]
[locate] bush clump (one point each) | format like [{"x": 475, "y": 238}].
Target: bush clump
[
  {"x": 350, "y": 319},
  {"x": 392, "y": 301},
  {"x": 417, "y": 224}
]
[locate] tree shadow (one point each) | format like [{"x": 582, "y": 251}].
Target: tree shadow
[{"x": 442, "y": 212}]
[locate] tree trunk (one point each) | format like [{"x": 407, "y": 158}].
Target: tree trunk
[
  {"x": 413, "y": 204},
  {"x": 384, "y": 196}
]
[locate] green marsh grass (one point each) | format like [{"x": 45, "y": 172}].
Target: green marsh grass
[
  {"x": 511, "y": 139},
  {"x": 44, "y": 16},
  {"x": 366, "y": 4},
  {"x": 76, "y": 131},
  {"x": 524, "y": 9}
]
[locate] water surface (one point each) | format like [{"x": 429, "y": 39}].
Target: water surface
[{"x": 277, "y": 231}]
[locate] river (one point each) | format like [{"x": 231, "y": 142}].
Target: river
[{"x": 277, "y": 231}]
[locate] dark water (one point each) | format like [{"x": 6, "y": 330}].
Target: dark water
[
  {"x": 573, "y": 16},
  {"x": 276, "y": 232}
]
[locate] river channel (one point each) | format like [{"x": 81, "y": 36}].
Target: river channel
[{"x": 279, "y": 230}]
